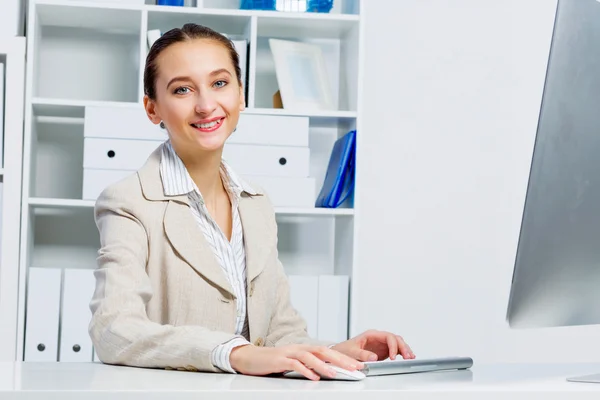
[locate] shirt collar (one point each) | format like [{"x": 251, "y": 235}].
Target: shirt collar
[{"x": 177, "y": 181}]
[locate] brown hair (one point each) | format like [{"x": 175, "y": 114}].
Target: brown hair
[{"x": 187, "y": 32}]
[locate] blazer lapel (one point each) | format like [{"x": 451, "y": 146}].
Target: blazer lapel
[
  {"x": 259, "y": 236},
  {"x": 181, "y": 228},
  {"x": 186, "y": 237}
]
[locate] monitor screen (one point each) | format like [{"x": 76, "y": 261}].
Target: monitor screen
[{"x": 556, "y": 279}]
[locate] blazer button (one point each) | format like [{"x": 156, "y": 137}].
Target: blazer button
[
  {"x": 259, "y": 342},
  {"x": 251, "y": 289}
]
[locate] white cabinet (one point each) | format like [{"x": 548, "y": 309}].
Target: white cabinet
[
  {"x": 12, "y": 82},
  {"x": 87, "y": 58}
]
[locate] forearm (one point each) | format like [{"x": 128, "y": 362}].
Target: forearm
[
  {"x": 221, "y": 355},
  {"x": 128, "y": 338}
]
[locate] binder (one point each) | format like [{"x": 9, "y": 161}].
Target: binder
[
  {"x": 43, "y": 308},
  {"x": 339, "y": 178},
  {"x": 2, "y": 102},
  {"x": 75, "y": 342},
  {"x": 333, "y": 308},
  {"x": 95, "y": 357},
  {"x": 304, "y": 296},
  {"x": 241, "y": 47}
]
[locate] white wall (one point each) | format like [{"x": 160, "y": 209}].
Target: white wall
[
  {"x": 11, "y": 18},
  {"x": 452, "y": 91}
]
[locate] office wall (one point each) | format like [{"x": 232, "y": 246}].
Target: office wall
[
  {"x": 452, "y": 92},
  {"x": 11, "y": 18}
]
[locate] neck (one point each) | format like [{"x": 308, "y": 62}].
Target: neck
[{"x": 204, "y": 169}]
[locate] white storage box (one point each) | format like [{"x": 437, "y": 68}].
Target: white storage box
[
  {"x": 275, "y": 130},
  {"x": 286, "y": 191},
  {"x": 120, "y": 123},
  {"x": 268, "y": 160},
  {"x": 116, "y": 153},
  {"x": 96, "y": 180}
]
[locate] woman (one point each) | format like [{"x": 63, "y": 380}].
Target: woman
[{"x": 188, "y": 273}]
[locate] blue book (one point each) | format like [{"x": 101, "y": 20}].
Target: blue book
[{"x": 339, "y": 179}]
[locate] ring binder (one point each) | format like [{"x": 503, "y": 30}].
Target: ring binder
[{"x": 339, "y": 179}]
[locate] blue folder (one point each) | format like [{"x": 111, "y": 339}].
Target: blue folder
[{"x": 339, "y": 179}]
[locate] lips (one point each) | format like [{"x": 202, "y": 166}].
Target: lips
[{"x": 208, "y": 126}]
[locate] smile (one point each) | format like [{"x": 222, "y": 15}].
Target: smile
[{"x": 209, "y": 126}]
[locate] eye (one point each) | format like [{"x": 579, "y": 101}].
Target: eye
[
  {"x": 181, "y": 90},
  {"x": 220, "y": 84}
]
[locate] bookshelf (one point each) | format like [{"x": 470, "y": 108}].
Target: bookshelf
[
  {"x": 12, "y": 56},
  {"x": 83, "y": 54}
]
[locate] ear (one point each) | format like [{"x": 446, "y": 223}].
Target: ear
[
  {"x": 242, "y": 99},
  {"x": 151, "y": 111}
]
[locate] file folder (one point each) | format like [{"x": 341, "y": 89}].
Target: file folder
[
  {"x": 339, "y": 178},
  {"x": 304, "y": 296},
  {"x": 333, "y": 308},
  {"x": 75, "y": 342},
  {"x": 43, "y": 308}
]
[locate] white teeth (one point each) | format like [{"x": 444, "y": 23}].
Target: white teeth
[{"x": 208, "y": 125}]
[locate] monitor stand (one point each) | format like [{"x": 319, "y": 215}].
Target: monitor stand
[{"x": 594, "y": 378}]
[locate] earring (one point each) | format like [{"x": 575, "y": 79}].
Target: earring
[{"x": 162, "y": 124}]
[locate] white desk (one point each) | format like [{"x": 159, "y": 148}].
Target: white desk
[{"x": 92, "y": 381}]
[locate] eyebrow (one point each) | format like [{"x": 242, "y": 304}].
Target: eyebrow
[{"x": 187, "y": 78}]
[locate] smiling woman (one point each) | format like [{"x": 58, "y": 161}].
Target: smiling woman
[{"x": 188, "y": 272}]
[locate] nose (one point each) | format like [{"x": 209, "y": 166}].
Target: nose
[{"x": 205, "y": 103}]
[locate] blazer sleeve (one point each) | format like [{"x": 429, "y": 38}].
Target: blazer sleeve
[
  {"x": 287, "y": 326},
  {"x": 120, "y": 329}
]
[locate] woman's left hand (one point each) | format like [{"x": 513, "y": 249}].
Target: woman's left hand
[{"x": 375, "y": 345}]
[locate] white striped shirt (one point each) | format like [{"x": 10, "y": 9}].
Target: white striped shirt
[{"x": 230, "y": 254}]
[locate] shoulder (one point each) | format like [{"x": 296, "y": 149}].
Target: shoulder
[{"x": 125, "y": 194}]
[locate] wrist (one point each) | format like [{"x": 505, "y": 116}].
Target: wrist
[{"x": 238, "y": 355}]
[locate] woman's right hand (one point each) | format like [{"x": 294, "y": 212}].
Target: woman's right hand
[{"x": 302, "y": 358}]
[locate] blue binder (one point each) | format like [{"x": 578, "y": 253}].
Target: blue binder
[{"x": 339, "y": 179}]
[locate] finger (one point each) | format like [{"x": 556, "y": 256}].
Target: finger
[
  {"x": 296, "y": 365},
  {"x": 337, "y": 358},
  {"x": 316, "y": 364},
  {"x": 392, "y": 343},
  {"x": 404, "y": 348},
  {"x": 366, "y": 355}
]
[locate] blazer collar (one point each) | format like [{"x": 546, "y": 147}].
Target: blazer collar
[
  {"x": 152, "y": 185},
  {"x": 187, "y": 238}
]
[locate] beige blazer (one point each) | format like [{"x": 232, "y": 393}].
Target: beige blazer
[{"x": 161, "y": 298}]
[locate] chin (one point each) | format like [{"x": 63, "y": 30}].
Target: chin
[{"x": 211, "y": 146}]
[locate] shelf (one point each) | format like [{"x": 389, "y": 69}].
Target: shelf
[
  {"x": 329, "y": 119},
  {"x": 75, "y": 109},
  {"x": 166, "y": 18},
  {"x": 113, "y": 15},
  {"x": 315, "y": 211},
  {"x": 86, "y": 53},
  {"x": 71, "y": 108},
  {"x": 311, "y": 114},
  {"x": 60, "y": 203},
  {"x": 306, "y": 25},
  {"x": 106, "y": 16},
  {"x": 75, "y": 203}
]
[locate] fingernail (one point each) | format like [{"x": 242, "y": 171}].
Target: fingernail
[
  {"x": 331, "y": 372},
  {"x": 372, "y": 357}
]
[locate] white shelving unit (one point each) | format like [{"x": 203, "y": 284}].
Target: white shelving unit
[
  {"x": 84, "y": 54},
  {"x": 12, "y": 55}
]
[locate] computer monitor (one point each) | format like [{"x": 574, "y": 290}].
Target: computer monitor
[{"x": 556, "y": 279}]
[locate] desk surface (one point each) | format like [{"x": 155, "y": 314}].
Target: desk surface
[{"x": 84, "y": 381}]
